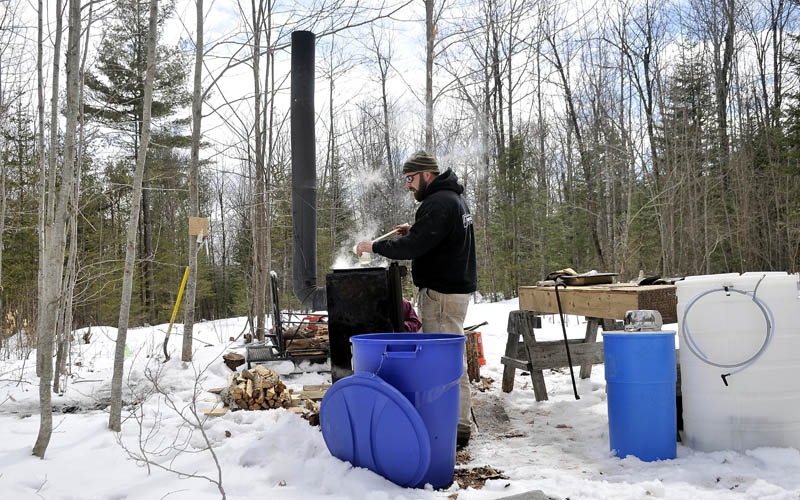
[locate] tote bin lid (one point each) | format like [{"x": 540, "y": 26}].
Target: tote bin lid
[{"x": 370, "y": 424}]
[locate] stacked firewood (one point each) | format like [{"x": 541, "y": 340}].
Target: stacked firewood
[
  {"x": 257, "y": 389},
  {"x": 308, "y": 336}
]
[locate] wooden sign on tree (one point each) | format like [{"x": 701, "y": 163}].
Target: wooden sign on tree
[{"x": 198, "y": 225}]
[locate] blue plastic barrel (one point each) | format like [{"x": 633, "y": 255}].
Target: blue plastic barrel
[
  {"x": 426, "y": 369},
  {"x": 640, "y": 380}
]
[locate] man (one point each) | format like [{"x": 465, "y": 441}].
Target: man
[{"x": 441, "y": 247}]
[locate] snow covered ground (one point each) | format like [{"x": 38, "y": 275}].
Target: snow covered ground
[{"x": 558, "y": 446}]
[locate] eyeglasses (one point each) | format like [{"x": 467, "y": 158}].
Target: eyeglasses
[{"x": 410, "y": 178}]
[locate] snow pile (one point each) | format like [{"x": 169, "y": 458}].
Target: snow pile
[{"x": 558, "y": 446}]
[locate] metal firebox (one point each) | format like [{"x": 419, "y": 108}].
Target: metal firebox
[{"x": 361, "y": 300}]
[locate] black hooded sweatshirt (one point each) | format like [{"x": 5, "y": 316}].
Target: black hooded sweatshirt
[{"x": 441, "y": 243}]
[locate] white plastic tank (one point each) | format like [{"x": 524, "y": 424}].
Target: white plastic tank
[{"x": 754, "y": 342}]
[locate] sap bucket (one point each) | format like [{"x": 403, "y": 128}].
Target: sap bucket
[
  {"x": 398, "y": 414},
  {"x": 640, "y": 379}
]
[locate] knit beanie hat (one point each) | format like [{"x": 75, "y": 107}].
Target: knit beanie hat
[{"x": 419, "y": 162}]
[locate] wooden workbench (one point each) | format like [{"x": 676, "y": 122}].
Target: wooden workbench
[
  {"x": 603, "y": 305},
  {"x": 601, "y": 301}
]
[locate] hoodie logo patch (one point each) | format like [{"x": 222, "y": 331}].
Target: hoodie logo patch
[{"x": 467, "y": 220}]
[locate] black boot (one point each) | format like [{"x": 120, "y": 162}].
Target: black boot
[{"x": 462, "y": 438}]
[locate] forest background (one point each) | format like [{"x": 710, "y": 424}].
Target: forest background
[{"x": 624, "y": 135}]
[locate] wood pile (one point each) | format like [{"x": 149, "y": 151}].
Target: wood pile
[
  {"x": 258, "y": 389},
  {"x": 307, "y": 337},
  {"x": 242, "y": 393}
]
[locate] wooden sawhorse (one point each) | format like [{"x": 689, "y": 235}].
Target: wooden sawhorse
[{"x": 534, "y": 357}]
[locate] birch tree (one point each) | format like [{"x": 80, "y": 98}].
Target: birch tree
[
  {"x": 194, "y": 180},
  {"x": 64, "y": 325},
  {"x": 44, "y": 200},
  {"x": 433, "y": 13},
  {"x": 54, "y": 230},
  {"x": 133, "y": 223}
]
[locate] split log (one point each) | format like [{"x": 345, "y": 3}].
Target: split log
[
  {"x": 216, "y": 412},
  {"x": 319, "y": 387},
  {"x": 233, "y": 360},
  {"x": 317, "y": 342},
  {"x": 473, "y": 366}
]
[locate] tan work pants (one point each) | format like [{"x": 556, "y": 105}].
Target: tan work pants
[{"x": 444, "y": 313}]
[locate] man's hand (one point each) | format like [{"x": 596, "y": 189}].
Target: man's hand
[
  {"x": 403, "y": 229},
  {"x": 363, "y": 246}
]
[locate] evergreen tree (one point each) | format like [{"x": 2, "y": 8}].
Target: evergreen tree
[
  {"x": 792, "y": 136},
  {"x": 115, "y": 96},
  {"x": 688, "y": 143},
  {"x": 19, "y": 286}
]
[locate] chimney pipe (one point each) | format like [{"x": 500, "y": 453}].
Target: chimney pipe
[{"x": 304, "y": 175}]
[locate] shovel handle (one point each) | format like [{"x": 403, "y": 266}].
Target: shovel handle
[{"x": 473, "y": 327}]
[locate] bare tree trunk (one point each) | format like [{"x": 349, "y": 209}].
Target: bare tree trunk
[
  {"x": 384, "y": 60},
  {"x": 583, "y": 155},
  {"x": 224, "y": 312},
  {"x": 331, "y": 157},
  {"x": 4, "y": 119},
  {"x": 55, "y": 228},
  {"x": 147, "y": 258},
  {"x": 194, "y": 181},
  {"x": 42, "y": 154},
  {"x": 65, "y": 328},
  {"x": 269, "y": 83},
  {"x": 430, "y": 36},
  {"x": 259, "y": 221},
  {"x": 64, "y": 325},
  {"x": 45, "y": 212},
  {"x": 130, "y": 249}
]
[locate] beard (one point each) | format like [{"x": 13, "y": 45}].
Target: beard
[{"x": 419, "y": 193}]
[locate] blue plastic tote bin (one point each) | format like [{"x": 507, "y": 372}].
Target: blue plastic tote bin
[
  {"x": 398, "y": 414},
  {"x": 640, "y": 379}
]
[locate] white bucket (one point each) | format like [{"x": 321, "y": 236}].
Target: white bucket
[{"x": 760, "y": 406}]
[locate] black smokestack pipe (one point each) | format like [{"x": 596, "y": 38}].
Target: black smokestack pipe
[{"x": 304, "y": 174}]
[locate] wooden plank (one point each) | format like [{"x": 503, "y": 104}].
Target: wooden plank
[
  {"x": 514, "y": 363},
  {"x": 305, "y": 353},
  {"x": 525, "y": 325},
  {"x": 216, "y": 390},
  {"x": 554, "y": 356},
  {"x": 521, "y": 324},
  {"x": 545, "y": 357},
  {"x": 216, "y": 412},
  {"x": 513, "y": 346},
  {"x": 591, "y": 337},
  {"x": 319, "y": 387},
  {"x": 312, "y": 395},
  {"x": 601, "y": 301}
]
